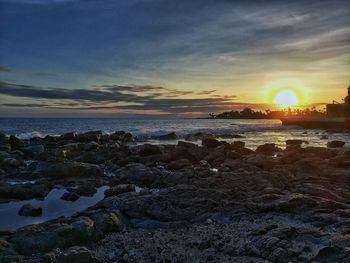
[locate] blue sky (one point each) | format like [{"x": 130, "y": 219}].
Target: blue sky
[{"x": 121, "y": 58}]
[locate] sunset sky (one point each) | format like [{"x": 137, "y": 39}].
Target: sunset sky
[{"x": 186, "y": 58}]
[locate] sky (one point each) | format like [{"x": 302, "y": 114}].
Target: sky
[{"x": 127, "y": 58}]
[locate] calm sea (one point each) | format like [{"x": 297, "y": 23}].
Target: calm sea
[{"x": 256, "y": 132}]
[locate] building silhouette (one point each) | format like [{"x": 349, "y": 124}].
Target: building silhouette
[{"x": 340, "y": 109}]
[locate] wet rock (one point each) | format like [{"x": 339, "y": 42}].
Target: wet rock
[
  {"x": 77, "y": 254},
  {"x": 16, "y": 143},
  {"x": 70, "y": 196},
  {"x": 211, "y": 143},
  {"x": 29, "y": 210},
  {"x": 335, "y": 144},
  {"x": 120, "y": 189},
  {"x": 268, "y": 149},
  {"x": 169, "y": 136},
  {"x": 149, "y": 149}
]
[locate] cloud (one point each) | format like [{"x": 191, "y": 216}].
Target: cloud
[
  {"x": 5, "y": 69},
  {"x": 116, "y": 97}
]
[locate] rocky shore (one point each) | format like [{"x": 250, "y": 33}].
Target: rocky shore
[{"x": 214, "y": 202}]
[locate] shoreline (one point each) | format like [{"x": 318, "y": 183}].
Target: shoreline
[{"x": 217, "y": 201}]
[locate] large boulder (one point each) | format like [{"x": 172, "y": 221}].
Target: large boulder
[{"x": 29, "y": 210}]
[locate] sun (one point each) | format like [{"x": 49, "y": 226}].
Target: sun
[{"x": 286, "y": 98}]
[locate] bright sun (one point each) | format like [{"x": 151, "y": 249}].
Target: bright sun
[{"x": 286, "y": 98}]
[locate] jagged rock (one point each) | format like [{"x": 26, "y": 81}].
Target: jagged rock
[{"x": 29, "y": 210}]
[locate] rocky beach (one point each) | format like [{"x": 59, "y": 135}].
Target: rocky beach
[{"x": 212, "y": 202}]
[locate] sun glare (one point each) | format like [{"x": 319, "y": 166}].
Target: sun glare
[{"x": 286, "y": 98}]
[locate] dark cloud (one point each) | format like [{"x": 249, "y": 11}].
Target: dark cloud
[
  {"x": 133, "y": 97},
  {"x": 4, "y": 69}
]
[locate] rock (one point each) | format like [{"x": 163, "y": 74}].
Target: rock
[
  {"x": 238, "y": 144},
  {"x": 211, "y": 143},
  {"x": 16, "y": 143},
  {"x": 179, "y": 164},
  {"x": 87, "y": 189},
  {"x": 11, "y": 163},
  {"x": 169, "y": 136},
  {"x": 106, "y": 223},
  {"x": 3, "y": 138},
  {"x": 77, "y": 254},
  {"x": 70, "y": 196},
  {"x": 324, "y": 137},
  {"x": 295, "y": 142},
  {"x": 22, "y": 192},
  {"x": 69, "y": 136},
  {"x": 90, "y": 136},
  {"x": 186, "y": 144},
  {"x": 149, "y": 149},
  {"x": 120, "y": 189},
  {"x": 268, "y": 149},
  {"x": 72, "y": 169},
  {"x": 138, "y": 174},
  {"x": 335, "y": 144},
  {"x": 332, "y": 254},
  {"x": 29, "y": 210}
]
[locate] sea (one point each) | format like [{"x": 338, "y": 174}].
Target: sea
[{"x": 254, "y": 132}]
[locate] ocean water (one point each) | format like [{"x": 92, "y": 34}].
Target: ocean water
[{"x": 256, "y": 132}]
